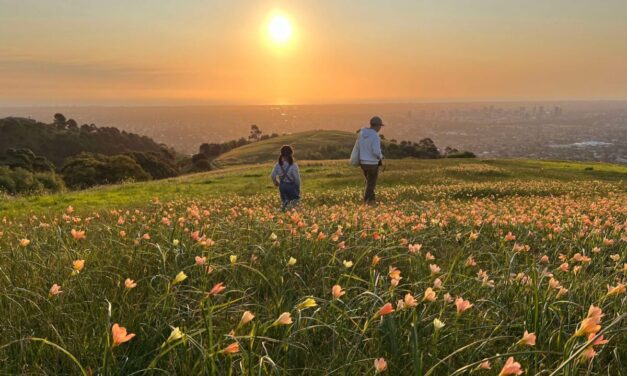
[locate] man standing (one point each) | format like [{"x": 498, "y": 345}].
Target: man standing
[{"x": 367, "y": 154}]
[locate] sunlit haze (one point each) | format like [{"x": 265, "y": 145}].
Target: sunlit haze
[{"x": 76, "y": 52}]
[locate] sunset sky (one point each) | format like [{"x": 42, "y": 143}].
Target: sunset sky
[{"x": 220, "y": 52}]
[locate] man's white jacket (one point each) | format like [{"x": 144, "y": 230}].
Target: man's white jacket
[{"x": 367, "y": 149}]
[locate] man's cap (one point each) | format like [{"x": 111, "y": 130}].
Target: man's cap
[{"x": 376, "y": 121}]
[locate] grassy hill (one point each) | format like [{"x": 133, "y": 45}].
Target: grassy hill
[
  {"x": 307, "y": 145},
  {"x": 321, "y": 176},
  {"x": 459, "y": 260}
]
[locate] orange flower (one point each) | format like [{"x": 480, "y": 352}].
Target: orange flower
[
  {"x": 246, "y": 318},
  {"x": 616, "y": 290},
  {"x": 119, "y": 335},
  {"x": 588, "y": 326},
  {"x": 437, "y": 283},
  {"x": 231, "y": 349},
  {"x": 129, "y": 284},
  {"x": 564, "y": 267},
  {"x": 385, "y": 310},
  {"x": 430, "y": 295},
  {"x": 78, "y": 265},
  {"x": 394, "y": 281},
  {"x": 485, "y": 365},
  {"x": 599, "y": 341},
  {"x": 595, "y": 313},
  {"x": 588, "y": 354},
  {"x": 462, "y": 305},
  {"x": 380, "y": 365},
  {"x": 394, "y": 273},
  {"x": 337, "y": 291},
  {"x": 409, "y": 301},
  {"x": 510, "y": 237},
  {"x": 78, "y": 235},
  {"x": 122, "y": 233},
  {"x": 528, "y": 339},
  {"x": 375, "y": 260},
  {"x": 217, "y": 288},
  {"x": 544, "y": 259},
  {"x": 511, "y": 368},
  {"x": 434, "y": 269},
  {"x": 284, "y": 319},
  {"x": 414, "y": 248},
  {"x": 470, "y": 261}
]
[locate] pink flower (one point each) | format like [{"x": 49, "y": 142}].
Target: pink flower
[
  {"x": 200, "y": 260},
  {"x": 528, "y": 339},
  {"x": 55, "y": 290},
  {"x": 119, "y": 335},
  {"x": 129, "y": 284},
  {"x": 511, "y": 368},
  {"x": 462, "y": 305},
  {"x": 380, "y": 365},
  {"x": 337, "y": 291},
  {"x": 78, "y": 235},
  {"x": 232, "y": 348},
  {"x": 385, "y": 310},
  {"x": 217, "y": 288},
  {"x": 434, "y": 269}
]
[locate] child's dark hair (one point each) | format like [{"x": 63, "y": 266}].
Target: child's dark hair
[{"x": 286, "y": 154}]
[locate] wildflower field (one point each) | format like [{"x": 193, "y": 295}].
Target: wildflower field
[{"x": 465, "y": 267}]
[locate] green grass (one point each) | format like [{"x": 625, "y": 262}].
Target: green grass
[
  {"x": 456, "y": 210},
  {"x": 317, "y": 176}
]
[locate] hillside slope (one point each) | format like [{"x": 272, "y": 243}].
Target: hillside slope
[
  {"x": 57, "y": 143},
  {"x": 307, "y": 145},
  {"x": 492, "y": 249},
  {"x": 470, "y": 178}
]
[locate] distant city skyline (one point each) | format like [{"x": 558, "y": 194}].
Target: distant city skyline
[{"x": 74, "y": 52}]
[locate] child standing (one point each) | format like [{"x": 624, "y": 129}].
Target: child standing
[{"x": 286, "y": 176}]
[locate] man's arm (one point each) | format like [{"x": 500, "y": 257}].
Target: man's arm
[{"x": 376, "y": 148}]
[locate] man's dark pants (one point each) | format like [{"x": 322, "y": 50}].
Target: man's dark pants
[{"x": 371, "y": 173}]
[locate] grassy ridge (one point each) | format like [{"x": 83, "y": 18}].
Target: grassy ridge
[
  {"x": 268, "y": 150},
  {"x": 318, "y": 176}
]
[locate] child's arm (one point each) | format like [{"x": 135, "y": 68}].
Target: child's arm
[
  {"x": 274, "y": 174},
  {"x": 296, "y": 174}
]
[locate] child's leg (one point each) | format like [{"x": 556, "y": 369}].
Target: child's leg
[{"x": 284, "y": 193}]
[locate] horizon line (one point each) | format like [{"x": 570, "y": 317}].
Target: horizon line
[{"x": 355, "y": 103}]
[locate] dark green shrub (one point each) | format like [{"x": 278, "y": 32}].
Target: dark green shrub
[
  {"x": 25, "y": 181},
  {"x": 50, "y": 181}
]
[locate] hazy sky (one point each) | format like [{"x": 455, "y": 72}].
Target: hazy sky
[{"x": 206, "y": 51}]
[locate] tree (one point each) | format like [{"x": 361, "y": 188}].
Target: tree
[
  {"x": 153, "y": 164},
  {"x": 255, "y": 133},
  {"x": 87, "y": 170},
  {"x": 59, "y": 121},
  {"x": 72, "y": 125}
]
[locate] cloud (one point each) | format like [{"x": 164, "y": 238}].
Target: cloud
[{"x": 27, "y": 65}]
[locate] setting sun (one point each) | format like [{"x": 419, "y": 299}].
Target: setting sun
[{"x": 279, "y": 29}]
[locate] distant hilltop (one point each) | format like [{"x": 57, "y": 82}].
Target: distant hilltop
[{"x": 324, "y": 145}]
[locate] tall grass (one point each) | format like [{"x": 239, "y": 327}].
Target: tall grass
[{"x": 487, "y": 239}]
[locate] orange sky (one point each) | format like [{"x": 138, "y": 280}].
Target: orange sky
[{"x": 196, "y": 52}]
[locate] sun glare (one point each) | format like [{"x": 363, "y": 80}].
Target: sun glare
[{"x": 279, "y": 29}]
